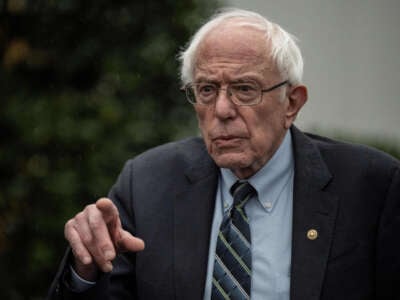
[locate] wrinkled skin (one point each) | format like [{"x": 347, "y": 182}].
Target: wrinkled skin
[{"x": 243, "y": 138}]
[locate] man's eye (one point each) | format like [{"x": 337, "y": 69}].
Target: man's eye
[
  {"x": 206, "y": 89},
  {"x": 245, "y": 88}
]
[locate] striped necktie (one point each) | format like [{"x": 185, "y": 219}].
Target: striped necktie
[{"x": 232, "y": 265}]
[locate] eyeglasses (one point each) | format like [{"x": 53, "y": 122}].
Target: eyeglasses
[{"x": 243, "y": 93}]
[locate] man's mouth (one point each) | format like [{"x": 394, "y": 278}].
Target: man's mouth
[{"x": 227, "y": 141}]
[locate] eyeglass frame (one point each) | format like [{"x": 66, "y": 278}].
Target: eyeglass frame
[{"x": 265, "y": 90}]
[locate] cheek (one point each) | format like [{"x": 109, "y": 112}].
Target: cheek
[
  {"x": 202, "y": 123},
  {"x": 266, "y": 130}
]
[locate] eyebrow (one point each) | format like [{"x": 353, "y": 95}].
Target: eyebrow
[
  {"x": 245, "y": 79},
  {"x": 205, "y": 82},
  {"x": 239, "y": 79}
]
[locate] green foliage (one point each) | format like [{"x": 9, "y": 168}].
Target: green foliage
[{"x": 85, "y": 85}]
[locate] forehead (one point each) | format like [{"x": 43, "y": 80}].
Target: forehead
[{"x": 237, "y": 48}]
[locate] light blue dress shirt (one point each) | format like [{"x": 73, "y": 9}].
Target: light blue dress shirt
[{"x": 270, "y": 216}]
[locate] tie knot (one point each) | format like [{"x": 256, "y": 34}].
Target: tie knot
[{"x": 241, "y": 192}]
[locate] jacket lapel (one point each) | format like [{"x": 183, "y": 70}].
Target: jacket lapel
[
  {"x": 193, "y": 213},
  {"x": 313, "y": 209}
]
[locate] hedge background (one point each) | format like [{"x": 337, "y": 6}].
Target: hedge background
[{"x": 84, "y": 85}]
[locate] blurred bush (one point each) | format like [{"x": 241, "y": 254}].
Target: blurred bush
[
  {"x": 84, "y": 85},
  {"x": 382, "y": 143}
]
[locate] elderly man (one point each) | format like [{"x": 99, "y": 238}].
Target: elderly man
[{"x": 253, "y": 209}]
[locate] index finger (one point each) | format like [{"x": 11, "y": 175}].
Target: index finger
[{"x": 108, "y": 209}]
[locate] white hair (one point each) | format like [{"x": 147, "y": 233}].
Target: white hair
[{"x": 284, "y": 50}]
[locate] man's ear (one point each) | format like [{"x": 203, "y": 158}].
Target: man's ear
[{"x": 296, "y": 99}]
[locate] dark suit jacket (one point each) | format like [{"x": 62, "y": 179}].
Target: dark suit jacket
[{"x": 349, "y": 194}]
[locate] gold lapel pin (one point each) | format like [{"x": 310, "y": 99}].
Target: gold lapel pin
[{"x": 312, "y": 234}]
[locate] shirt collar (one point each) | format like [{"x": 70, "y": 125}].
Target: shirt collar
[{"x": 271, "y": 179}]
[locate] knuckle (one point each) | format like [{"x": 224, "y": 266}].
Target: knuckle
[
  {"x": 69, "y": 224},
  {"x": 81, "y": 218},
  {"x": 95, "y": 222},
  {"x": 106, "y": 246},
  {"x": 80, "y": 215},
  {"x": 68, "y": 227},
  {"x": 87, "y": 239},
  {"x": 89, "y": 207}
]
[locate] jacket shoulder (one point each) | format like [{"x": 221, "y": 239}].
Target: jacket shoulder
[
  {"x": 182, "y": 150},
  {"x": 171, "y": 158},
  {"x": 340, "y": 154}
]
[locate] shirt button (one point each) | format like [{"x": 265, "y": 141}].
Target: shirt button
[{"x": 267, "y": 204}]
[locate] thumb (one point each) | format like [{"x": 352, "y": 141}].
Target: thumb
[{"x": 129, "y": 243}]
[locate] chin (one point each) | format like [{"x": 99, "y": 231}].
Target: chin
[{"x": 231, "y": 161}]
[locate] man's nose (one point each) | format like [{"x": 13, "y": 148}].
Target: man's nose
[{"x": 224, "y": 107}]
